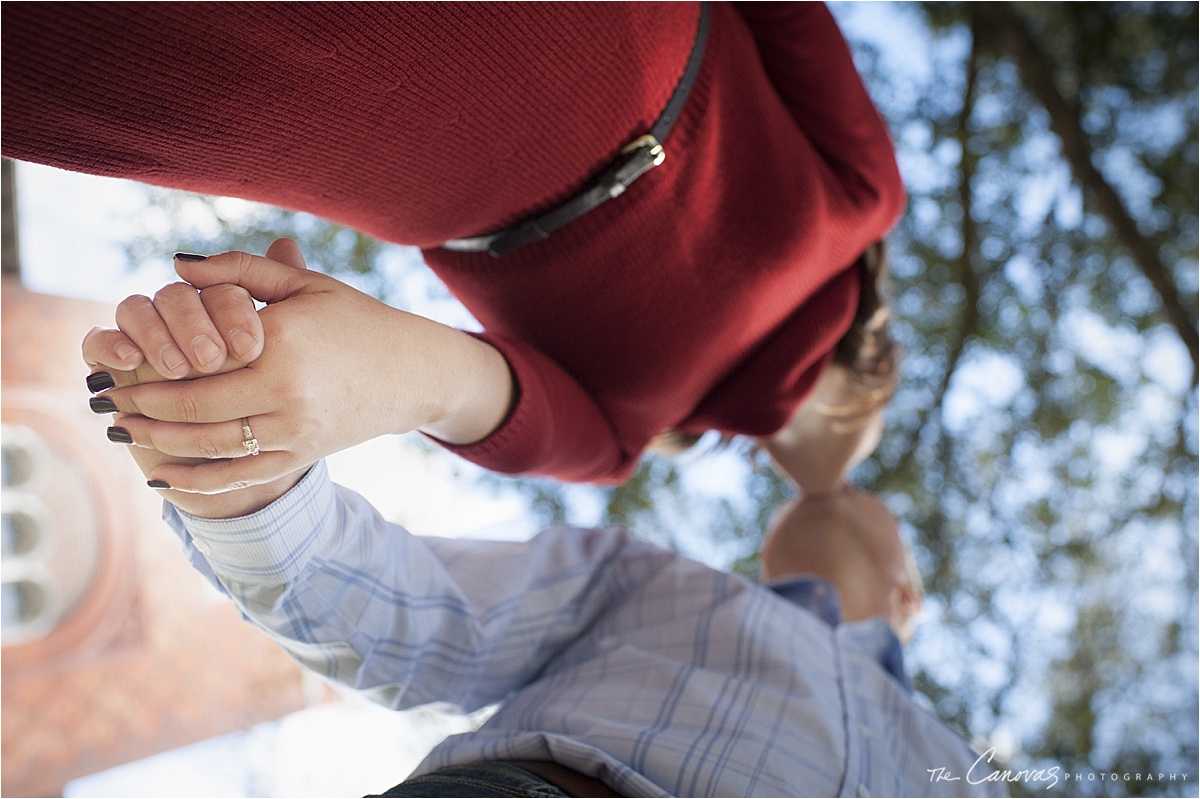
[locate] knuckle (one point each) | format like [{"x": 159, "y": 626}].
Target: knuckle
[
  {"x": 287, "y": 391},
  {"x": 132, "y": 305},
  {"x": 231, "y": 303},
  {"x": 172, "y": 291},
  {"x": 293, "y": 342},
  {"x": 185, "y": 407},
  {"x": 242, "y": 261},
  {"x": 206, "y": 448},
  {"x": 225, "y": 293},
  {"x": 289, "y": 428}
]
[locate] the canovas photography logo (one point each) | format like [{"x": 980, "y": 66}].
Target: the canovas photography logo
[{"x": 982, "y": 771}]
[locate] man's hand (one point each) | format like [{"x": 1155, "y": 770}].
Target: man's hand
[
  {"x": 183, "y": 332},
  {"x": 337, "y": 368}
]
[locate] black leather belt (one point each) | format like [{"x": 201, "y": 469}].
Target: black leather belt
[{"x": 636, "y": 159}]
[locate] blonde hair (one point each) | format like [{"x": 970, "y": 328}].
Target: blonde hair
[{"x": 672, "y": 442}]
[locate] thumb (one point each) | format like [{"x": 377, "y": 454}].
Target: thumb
[
  {"x": 287, "y": 251},
  {"x": 266, "y": 279}
]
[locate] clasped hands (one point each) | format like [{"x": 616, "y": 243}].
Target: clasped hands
[{"x": 320, "y": 368}]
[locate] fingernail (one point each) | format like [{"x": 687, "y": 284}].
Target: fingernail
[
  {"x": 241, "y": 341},
  {"x": 100, "y": 381},
  {"x": 158, "y": 484},
  {"x": 119, "y": 435},
  {"x": 206, "y": 350},
  {"x": 189, "y": 256},
  {"x": 125, "y": 351},
  {"x": 103, "y": 405},
  {"x": 172, "y": 357}
]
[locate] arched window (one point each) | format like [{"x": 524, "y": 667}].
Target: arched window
[{"x": 44, "y": 570}]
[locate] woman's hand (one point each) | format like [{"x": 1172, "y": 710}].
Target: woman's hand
[
  {"x": 337, "y": 368},
  {"x": 219, "y": 506}
]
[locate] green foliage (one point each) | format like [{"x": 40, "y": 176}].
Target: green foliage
[
  {"x": 1046, "y": 429},
  {"x": 188, "y": 222}
]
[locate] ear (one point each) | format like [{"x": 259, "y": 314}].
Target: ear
[
  {"x": 910, "y": 598},
  {"x": 906, "y": 604}
]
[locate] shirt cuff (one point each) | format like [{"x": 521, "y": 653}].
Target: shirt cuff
[{"x": 271, "y": 546}]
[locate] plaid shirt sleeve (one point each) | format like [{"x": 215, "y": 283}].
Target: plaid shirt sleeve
[{"x": 406, "y": 619}]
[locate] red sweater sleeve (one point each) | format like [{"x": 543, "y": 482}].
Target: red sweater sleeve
[
  {"x": 554, "y": 429},
  {"x": 809, "y": 63}
]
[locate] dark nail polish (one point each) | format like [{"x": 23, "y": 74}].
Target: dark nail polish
[
  {"x": 119, "y": 435},
  {"x": 189, "y": 256},
  {"x": 103, "y": 405},
  {"x": 100, "y": 381},
  {"x": 158, "y": 484}
]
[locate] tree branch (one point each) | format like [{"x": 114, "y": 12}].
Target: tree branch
[
  {"x": 968, "y": 321},
  {"x": 1009, "y": 30}
]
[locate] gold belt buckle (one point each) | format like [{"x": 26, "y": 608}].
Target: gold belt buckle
[
  {"x": 648, "y": 141},
  {"x": 638, "y": 157}
]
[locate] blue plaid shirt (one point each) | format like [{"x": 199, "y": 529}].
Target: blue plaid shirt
[{"x": 626, "y": 662}]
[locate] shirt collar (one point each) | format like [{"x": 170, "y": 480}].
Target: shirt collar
[
  {"x": 820, "y": 598},
  {"x": 816, "y": 595}
]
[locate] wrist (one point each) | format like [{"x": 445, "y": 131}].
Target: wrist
[
  {"x": 477, "y": 393},
  {"x": 233, "y": 504}
]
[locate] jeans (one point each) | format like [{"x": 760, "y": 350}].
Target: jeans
[{"x": 477, "y": 779}]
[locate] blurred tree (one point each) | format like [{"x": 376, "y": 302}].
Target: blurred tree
[{"x": 1042, "y": 448}]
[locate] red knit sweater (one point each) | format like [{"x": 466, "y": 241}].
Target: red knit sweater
[{"x": 708, "y": 296}]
